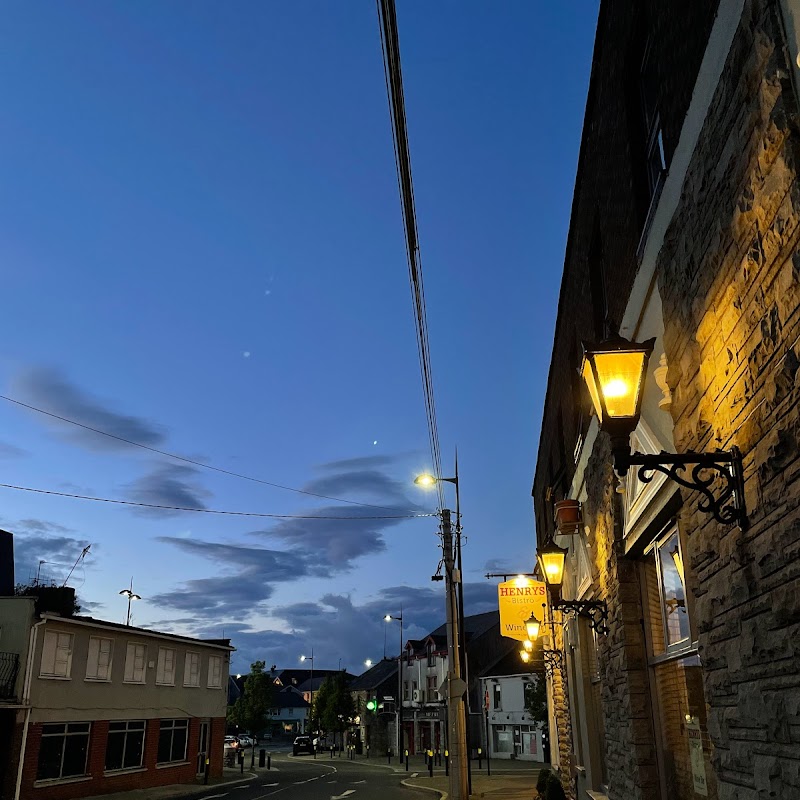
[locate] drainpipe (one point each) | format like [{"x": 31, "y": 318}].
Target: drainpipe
[{"x": 26, "y": 700}]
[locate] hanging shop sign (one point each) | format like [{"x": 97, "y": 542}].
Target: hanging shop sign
[
  {"x": 696, "y": 755},
  {"x": 518, "y": 599}
]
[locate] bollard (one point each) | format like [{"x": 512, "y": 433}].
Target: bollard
[
  {"x": 480, "y": 757},
  {"x": 430, "y": 763},
  {"x": 262, "y": 757},
  {"x": 241, "y": 761},
  {"x": 446, "y": 762},
  {"x": 389, "y": 756},
  {"x": 269, "y": 760},
  {"x": 406, "y": 755},
  {"x": 332, "y": 749},
  {"x": 438, "y": 757},
  {"x": 207, "y": 770},
  {"x": 367, "y": 751}
]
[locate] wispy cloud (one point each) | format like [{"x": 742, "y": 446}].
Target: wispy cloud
[
  {"x": 168, "y": 485},
  {"x": 51, "y": 390},
  {"x": 8, "y": 450}
]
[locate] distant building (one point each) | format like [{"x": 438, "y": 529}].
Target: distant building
[
  {"x": 290, "y": 712},
  {"x": 94, "y": 707}
]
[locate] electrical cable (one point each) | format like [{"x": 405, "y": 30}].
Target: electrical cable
[
  {"x": 184, "y": 458},
  {"x": 205, "y": 510}
]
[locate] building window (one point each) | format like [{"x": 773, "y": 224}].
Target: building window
[
  {"x": 497, "y": 697},
  {"x": 191, "y": 669},
  {"x": 649, "y": 90},
  {"x": 135, "y": 663},
  {"x": 165, "y": 672},
  {"x": 431, "y": 657},
  {"x": 62, "y": 753},
  {"x": 666, "y": 594},
  {"x": 125, "y": 745},
  {"x": 215, "y": 672},
  {"x": 56, "y": 655},
  {"x": 172, "y": 740},
  {"x": 432, "y": 684},
  {"x": 98, "y": 661},
  {"x": 405, "y": 690}
]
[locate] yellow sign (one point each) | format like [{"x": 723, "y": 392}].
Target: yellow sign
[{"x": 518, "y": 599}]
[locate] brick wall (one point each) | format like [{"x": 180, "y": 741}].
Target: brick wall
[
  {"x": 729, "y": 280},
  {"x": 107, "y": 784}
]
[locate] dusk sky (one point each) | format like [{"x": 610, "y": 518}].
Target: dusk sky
[{"x": 202, "y": 251}]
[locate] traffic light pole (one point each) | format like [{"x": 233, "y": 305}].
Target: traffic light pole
[{"x": 456, "y": 686}]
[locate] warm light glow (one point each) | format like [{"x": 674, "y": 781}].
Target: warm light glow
[
  {"x": 551, "y": 561},
  {"x": 528, "y": 645},
  {"x": 532, "y": 626},
  {"x": 425, "y": 480},
  {"x": 368, "y": 662},
  {"x": 525, "y": 655},
  {"x": 521, "y": 581},
  {"x": 678, "y": 561},
  {"x": 615, "y": 388},
  {"x": 238, "y": 675}
]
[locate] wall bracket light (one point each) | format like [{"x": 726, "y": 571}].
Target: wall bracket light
[
  {"x": 615, "y": 372},
  {"x": 596, "y": 611},
  {"x": 553, "y": 660}
]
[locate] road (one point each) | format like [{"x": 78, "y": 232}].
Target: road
[{"x": 306, "y": 778}]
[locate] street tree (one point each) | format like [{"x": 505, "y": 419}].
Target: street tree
[
  {"x": 334, "y": 707},
  {"x": 250, "y": 709},
  {"x": 536, "y": 699}
]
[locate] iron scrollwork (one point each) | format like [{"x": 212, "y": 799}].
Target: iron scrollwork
[
  {"x": 553, "y": 660},
  {"x": 717, "y": 476},
  {"x": 596, "y": 611}
]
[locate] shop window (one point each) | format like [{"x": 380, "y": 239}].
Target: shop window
[
  {"x": 62, "y": 753},
  {"x": 172, "y": 740},
  {"x": 125, "y": 745},
  {"x": 676, "y": 676}
]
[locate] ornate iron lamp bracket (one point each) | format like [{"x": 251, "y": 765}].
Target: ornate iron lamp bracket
[
  {"x": 553, "y": 660},
  {"x": 596, "y": 611},
  {"x": 718, "y": 476}
]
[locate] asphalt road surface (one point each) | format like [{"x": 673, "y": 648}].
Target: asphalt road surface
[{"x": 306, "y": 778}]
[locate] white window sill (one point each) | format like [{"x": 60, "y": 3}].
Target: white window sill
[
  {"x": 59, "y": 781},
  {"x": 110, "y": 773},
  {"x": 98, "y": 680},
  {"x": 172, "y": 764},
  {"x": 191, "y": 685},
  {"x": 55, "y": 677},
  {"x": 135, "y": 683},
  {"x": 163, "y": 683}
]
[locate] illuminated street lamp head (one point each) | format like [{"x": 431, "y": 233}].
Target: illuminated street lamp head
[
  {"x": 532, "y": 626},
  {"x": 130, "y": 595},
  {"x": 615, "y": 372},
  {"x": 388, "y": 618},
  {"x": 525, "y": 655},
  {"x": 551, "y": 562},
  {"x": 306, "y": 658},
  {"x": 368, "y": 662},
  {"x": 426, "y": 480},
  {"x": 528, "y": 645}
]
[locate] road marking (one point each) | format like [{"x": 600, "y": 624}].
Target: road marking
[
  {"x": 212, "y": 796},
  {"x": 343, "y": 795},
  {"x": 414, "y": 774},
  {"x": 267, "y": 785},
  {"x": 355, "y": 782}
]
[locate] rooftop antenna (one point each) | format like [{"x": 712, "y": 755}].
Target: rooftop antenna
[
  {"x": 80, "y": 558},
  {"x": 38, "y": 571}
]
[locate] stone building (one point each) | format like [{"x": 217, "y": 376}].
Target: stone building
[{"x": 684, "y": 228}]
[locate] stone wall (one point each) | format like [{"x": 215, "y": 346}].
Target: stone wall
[{"x": 728, "y": 278}]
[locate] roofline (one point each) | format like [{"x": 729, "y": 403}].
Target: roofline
[
  {"x": 113, "y": 626},
  {"x": 570, "y": 232}
]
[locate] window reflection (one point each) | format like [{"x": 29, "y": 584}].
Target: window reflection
[{"x": 673, "y": 591}]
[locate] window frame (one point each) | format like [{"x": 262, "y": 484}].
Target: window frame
[
  {"x": 497, "y": 697},
  {"x": 160, "y": 664},
  {"x": 125, "y": 732},
  {"x": 187, "y": 672},
  {"x": 172, "y": 727},
  {"x": 212, "y": 660},
  {"x": 58, "y": 676},
  {"x": 64, "y": 734},
  {"x": 132, "y": 680},
  {"x": 96, "y": 678}
]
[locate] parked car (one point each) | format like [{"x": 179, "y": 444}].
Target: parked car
[
  {"x": 231, "y": 742},
  {"x": 304, "y": 744},
  {"x": 246, "y": 741}
]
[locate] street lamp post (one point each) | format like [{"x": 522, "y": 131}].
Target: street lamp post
[
  {"x": 399, "y": 705},
  {"x": 311, "y": 711},
  {"x": 129, "y": 593}
]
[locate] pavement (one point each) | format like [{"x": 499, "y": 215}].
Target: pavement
[{"x": 340, "y": 778}]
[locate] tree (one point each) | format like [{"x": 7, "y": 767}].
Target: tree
[
  {"x": 536, "y": 700},
  {"x": 334, "y": 707},
  {"x": 250, "y": 709}
]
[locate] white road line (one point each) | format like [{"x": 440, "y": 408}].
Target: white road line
[
  {"x": 212, "y": 796},
  {"x": 267, "y": 785},
  {"x": 343, "y": 795},
  {"x": 355, "y": 782},
  {"x": 414, "y": 774}
]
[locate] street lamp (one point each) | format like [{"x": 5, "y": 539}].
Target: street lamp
[
  {"x": 532, "y": 626},
  {"x": 129, "y": 593},
  {"x": 615, "y": 372},
  {"x": 311, "y": 659},
  {"x": 368, "y": 663},
  {"x": 399, "y": 704}
]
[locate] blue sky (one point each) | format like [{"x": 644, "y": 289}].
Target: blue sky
[{"x": 201, "y": 248}]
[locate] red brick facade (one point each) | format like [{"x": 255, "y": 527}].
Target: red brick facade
[{"x": 97, "y": 782}]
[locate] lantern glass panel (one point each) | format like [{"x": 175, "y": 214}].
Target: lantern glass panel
[
  {"x": 619, "y": 378},
  {"x": 552, "y": 563}
]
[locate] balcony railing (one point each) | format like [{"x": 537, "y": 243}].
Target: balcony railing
[{"x": 9, "y": 667}]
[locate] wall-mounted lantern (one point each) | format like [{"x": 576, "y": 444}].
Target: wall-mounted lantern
[{"x": 615, "y": 371}]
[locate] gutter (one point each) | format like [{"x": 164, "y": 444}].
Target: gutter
[{"x": 26, "y": 701}]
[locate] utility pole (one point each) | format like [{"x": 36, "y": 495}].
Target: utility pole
[{"x": 456, "y": 686}]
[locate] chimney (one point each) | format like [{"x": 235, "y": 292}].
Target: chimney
[{"x": 6, "y": 564}]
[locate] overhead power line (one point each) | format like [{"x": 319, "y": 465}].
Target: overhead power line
[
  {"x": 184, "y": 458},
  {"x": 206, "y": 510},
  {"x": 394, "y": 90}
]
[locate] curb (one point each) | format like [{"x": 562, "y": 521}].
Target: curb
[{"x": 442, "y": 794}]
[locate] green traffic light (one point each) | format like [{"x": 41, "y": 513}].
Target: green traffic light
[{"x": 371, "y": 705}]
